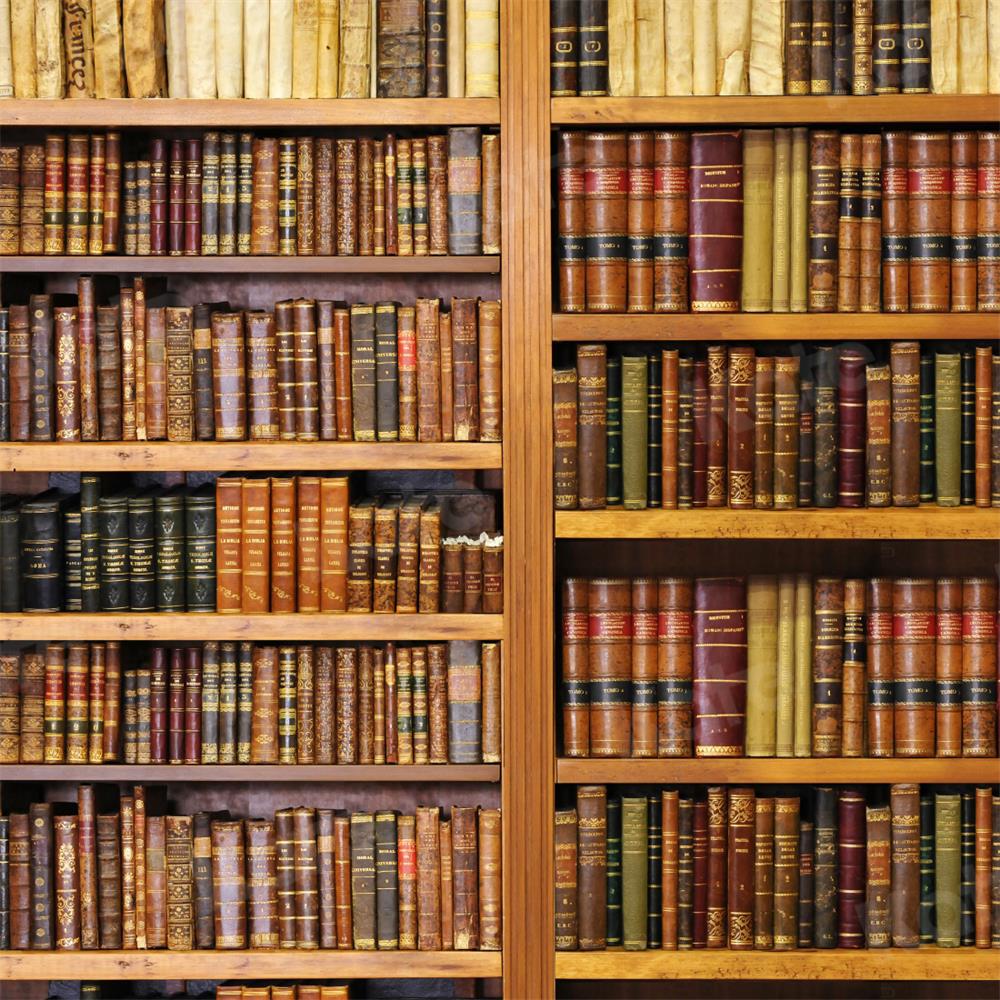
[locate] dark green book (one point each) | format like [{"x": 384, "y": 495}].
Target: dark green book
[
  {"x": 141, "y": 553},
  {"x": 112, "y": 522},
  {"x": 244, "y": 703},
  {"x": 614, "y": 454},
  {"x": 287, "y": 706},
  {"x": 968, "y": 418},
  {"x": 927, "y": 428},
  {"x": 386, "y": 881},
  {"x": 635, "y": 428},
  {"x": 613, "y": 931},
  {"x": 927, "y": 918},
  {"x": 363, "y": 382},
  {"x": 654, "y": 906},
  {"x": 654, "y": 432},
  {"x": 227, "y": 702},
  {"x": 825, "y": 919},
  {"x": 90, "y": 493},
  {"x": 635, "y": 872},
  {"x": 363, "y": 880},
  {"x": 685, "y": 872},
  {"x": 825, "y": 455},
  {"x": 947, "y": 870},
  {"x": 386, "y": 373},
  {"x": 10, "y": 554},
  {"x": 41, "y": 544},
  {"x": 199, "y": 549},
  {"x": 947, "y": 429},
  {"x": 72, "y": 562},
  {"x": 968, "y": 868},
  {"x": 170, "y": 554}
]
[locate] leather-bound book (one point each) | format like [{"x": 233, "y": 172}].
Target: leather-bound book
[
  {"x": 437, "y": 195},
  {"x": 674, "y": 667},
  {"x": 229, "y": 544},
  {"x": 210, "y": 703},
  {"x": 420, "y": 722},
  {"x": 404, "y": 197},
  {"x": 264, "y": 213},
  {"x": 592, "y": 73},
  {"x": 227, "y": 703},
  {"x": 824, "y": 189},
  {"x": 948, "y": 667},
  {"x": 156, "y": 374},
  {"x": 201, "y": 365},
  {"x": 719, "y": 666},
  {"x": 42, "y": 373},
  {"x": 386, "y": 881},
  {"x": 72, "y": 561},
  {"x": 717, "y": 866},
  {"x": 887, "y": 43},
  {"x": 929, "y": 220},
  {"x": 758, "y": 219},
  {"x": 849, "y": 226},
  {"x": 853, "y": 679},
  {"x": 491, "y": 193},
  {"x": 490, "y": 902},
  {"x": 192, "y": 197},
  {"x": 282, "y": 543},
  {"x": 762, "y": 639},
  {"x": 669, "y": 405},
  {"x": 305, "y": 196},
  {"x": 42, "y": 554},
  {"x": 639, "y": 222},
  {"x": 19, "y": 373},
  {"x": 828, "y": 659},
  {"x": 430, "y": 559},
  {"x": 31, "y": 192},
  {"x": 306, "y": 370},
  {"x": 947, "y": 869},
  {"x": 591, "y": 807},
  {"x": 325, "y": 197},
  {"x": 10, "y": 216},
  {"x": 964, "y": 220},
  {"x": 615, "y": 921},
  {"x": 261, "y": 377},
  {"x": 325, "y": 877},
  {"x": 465, "y": 877},
  {"x": 363, "y": 372},
  {"x": 464, "y": 702},
  {"x": 807, "y": 883},
  {"x": 66, "y": 888},
  {"x": 19, "y": 882},
  {"x": 877, "y": 878},
  {"x": 983, "y": 428},
  {"x": 285, "y": 876},
  {"x": 175, "y": 710},
  {"x": 168, "y": 510},
  {"x": 786, "y": 432},
  {"x": 179, "y": 339},
  {"x": 244, "y": 702},
  {"x": 786, "y": 873},
  {"x": 878, "y": 467},
  {"x": 127, "y": 806},
  {"x": 199, "y": 545},
  {"x": 229, "y": 884},
  {"x": 419, "y": 174},
  {"x": 716, "y": 196},
  {"x": 967, "y": 417},
  {"x": 109, "y": 884},
  {"x": 347, "y": 717},
  {"x": 613, "y": 436},
  {"x": 763, "y": 412},
  {"x": 983, "y": 849},
  {"x": 914, "y": 685},
  {"x": 406, "y": 850},
  {"x": 592, "y": 417},
  {"x": 288, "y": 219},
  {"x": 610, "y": 631},
  {"x": 740, "y": 427},
  {"x": 465, "y": 360},
  {"x": 264, "y": 726},
  {"x": 261, "y": 884},
  {"x": 564, "y": 419},
  {"x": 634, "y": 859},
  {"x": 571, "y": 210},
  {"x": 606, "y": 181},
  {"x": 366, "y": 705},
  {"x": 306, "y": 878},
  {"x": 9, "y": 708},
  {"x": 979, "y": 666},
  {"x": 287, "y": 706},
  {"x": 849, "y": 465},
  {"x": 565, "y": 880},
  {"x": 643, "y": 631},
  {"x": 716, "y": 429},
  {"x": 401, "y": 49},
  {"x": 870, "y": 226},
  {"x": 406, "y": 358},
  {"x": 428, "y": 876},
  {"x": 740, "y": 894},
  {"x": 699, "y": 890},
  {"x": 635, "y": 429},
  {"x": 325, "y": 713},
  {"x": 988, "y": 225},
  {"x": 326, "y": 366},
  {"x": 928, "y": 920},
  {"x": 157, "y": 706},
  {"x": 55, "y": 195},
  {"x": 157, "y": 197},
  {"x": 904, "y": 361},
  {"x": 32, "y": 708},
  {"x": 244, "y": 193},
  {"x": 968, "y": 860},
  {"x": 895, "y": 220},
  {"x": 905, "y": 865},
  {"x": 386, "y": 373},
  {"x": 360, "y": 555},
  {"x": 192, "y": 705},
  {"x": 109, "y": 374},
  {"x": 797, "y": 47},
  {"x": 915, "y": 39},
  {"x": 77, "y": 180},
  {"x": 285, "y": 367},
  {"x": 848, "y": 871},
  {"x": 255, "y": 537},
  {"x": 66, "y": 375},
  {"x": 843, "y": 46},
  {"x": 201, "y": 873},
  {"x": 575, "y": 668},
  {"x": 180, "y": 883},
  {"x": 685, "y": 874},
  {"x": 112, "y": 706}
]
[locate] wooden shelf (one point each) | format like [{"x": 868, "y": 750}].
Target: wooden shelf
[
  {"x": 240, "y": 456},
  {"x": 713, "y": 327},
  {"x": 275, "y": 965},
  {"x": 959, "y": 523},
  {"x": 190, "y": 113},
  {"x": 192, "y": 627},
  {"x": 274, "y": 773},
  {"x": 778, "y": 770},
  {"x": 85, "y": 264},
  {"x": 945, "y": 109},
  {"x": 924, "y": 963}
]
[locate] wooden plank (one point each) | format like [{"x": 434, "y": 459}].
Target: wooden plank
[
  {"x": 777, "y": 771},
  {"x": 715, "y": 327},
  {"x": 268, "y": 965},
  {"x": 193, "y": 627},
  {"x": 947, "y": 109},
  {"x": 299, "y": 773},
  {"x": 251, "y": 265},
  {"x": 931, "y": 963},
  {"x": 240, "y": 456},
  {"x": 190, "y": 113},
  {"x": 963, "y": 523}
]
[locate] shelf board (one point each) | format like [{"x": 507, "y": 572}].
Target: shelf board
[
  {"x": 777, "y": 770},
  {"x": 246, "y": 265},
  {"x": 274, "y": 965},
  {"x": 926, "y": 522},
  {"x": 924, "y": 963},
  {"x": 273, "y": 773},
  {"x": 946, "y": 109},
  {"x": 240, "y": 456},
  {"x": 714, "y": 327},
  {"x": 193, "y": 627},
  {"x": 191, "y": 113}
]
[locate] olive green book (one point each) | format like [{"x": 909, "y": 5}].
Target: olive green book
[
  {"x": 635, "y": 412},
  {"x": 762, "y": 656},
  {"x": 947, "y": 869},
  {"x": 635, "y": 872},
  {"x": 947, "y": 428}
]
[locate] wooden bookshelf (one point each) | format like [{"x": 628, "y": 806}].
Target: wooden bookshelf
[
  {"x": 714, "y": 327},
  {"x": 257, "y": 964},
  {"x": 245, "y": 456},
  {"x": 799, "y": 965},
  {"x": 194, "y": 627},
  {"x": 925, "y": 522},
  {"x": 778, "y": 770}
]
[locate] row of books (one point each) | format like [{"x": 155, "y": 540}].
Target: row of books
[
  {"x": 814, "y": 867},
  {"x": 249, "y": 48},
  {"x": 840, "y": 426},
  {"x": 651, "y": 48},
  {"x": 305, "y": 370},
  {"x": 250, "y": 546},
  {"x": 234, "y": 193},
  {"x": 779, "y": 220},
  {"x": 306, "y": 878},
  {"x": 281, "y": 991},
  {"x": 779, "y": 666},
  {"x": 248, "y": 703}
]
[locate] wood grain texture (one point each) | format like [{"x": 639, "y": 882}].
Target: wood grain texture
[
  {"x": 897, "y": 522},
  {"x": 242, "y": 456},
  {"x": 273, "y": 628}
]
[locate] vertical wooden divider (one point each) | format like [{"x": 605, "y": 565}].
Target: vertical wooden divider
[{"x": 529, "y": 748}]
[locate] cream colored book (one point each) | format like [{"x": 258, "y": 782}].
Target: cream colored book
[
  {"x": 972, "y": 52},
  {"x": 229, "y": 48},
  {"x": 767, "y": 47},
  {"x": 177, "y": 71},
  {"x": 758, "y": 218},
  {"x": 993, "y": 46},
  {"x": 6, "y": 63},
  {"x": 803, "y": 666},
  {"x": 621, "y": 48},
  {"x": 704, "y": 47},
  {"x": 328, "y": 48},
  {"x": 22, "y": 47},
  {"x": 355, "y": 48},
  {"x": 944, "y": 46},
  {"x": 279, "y": 47},
  {"x": 78, "y": 40},
  {"x": 256, "y": 28},
  {"x": 798, "y": 243},
  {"x": 784, "y": 736},
  {"x": 679, "y": 30},
  {"x": 732, "y": 60},
  {"x": 49, "y": 49},
  {"x": 782, "y": 219},
  {"x": 144, "y": 36},
  {"x": 456, "y": 47},
  {"x": 762, "y": 654},
  {"x": 199, "y": 29},
  {"x": 482, "y": 48},
  {"x": 305, "y": 48},
  {"x": 650, "y": 48},
  {"x": 373, "y": 51}
]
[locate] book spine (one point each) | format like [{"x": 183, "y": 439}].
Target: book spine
[
  {"x": 948, "y": 667},
  {"x": 964, "y": 221},
  {"x": 828, "y": 659},
  {"x": 913, "y": 667},
  {"x": 571, "y": 220},
  {"x": 877, "y": 877},
  {"x": 988, "y": 225},
  {"x": 887, "y": 45},
  {"x": 305, "y": 195},
  {"x": 264, "y": 208},
  {"x": 176, "y": 198},
  {"x": 904, "y": 362},
  {"x": 288, "y": 220},
  {"x": 606, "y": 184},
  {"x": 915, "y": 39},
  {"x": 870, "y": 230},
  {"x": 610, "y": 631},
  {"x": 895, "y": 222},
  {"x": 927, "y": 429},
  {"x": 850, "y": 906},
  {"x": 763, "y": 411},
  {"x": 979, "y": 713},
  {"x": 740, "y": 427},
  {"x": 716, "y": 431},
  {"x": 905, "y": 865},
  {"x": 929, "y": 220}
]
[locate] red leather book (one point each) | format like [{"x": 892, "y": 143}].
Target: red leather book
[
  {"x": 175, "y": 711},
  {"x": 964, "y": 220},
  {"x": 77, "y": 199},
  {"x": 740, "y": 427},
  {"x": 852, "y": 864},
  {"x": 112, "y": 192},
  {"x": 175, "y": 194},
  {"x": 158, "y": 705},
  {"x": 719, "y": 666},
  {"x": 988, "y": 281},
  {"x": 895, "y": 223},
  {"x": 98, "y": 154},
  {"x": 67, "y": 375},
  {"x": 948, "y": 667},
  {"x": 716, "y": 221},
  {"x": 674, "y": 662},
  {"x": 192, "y": 198},
  {"x": 592, "y": 864},
  {"x": 699, "y": 447},
  {"x": 716, "y": 867},
  {"x": 716, "y": 440},
  {"x": 158, "y": 243},
  {"x": 851, "y": 430},
  {"x": 913, "y": 629},
  {"x": 192, "y": 705},
  {"x": 572, "y": 235}
]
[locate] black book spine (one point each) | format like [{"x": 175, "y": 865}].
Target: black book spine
[
  {"x": 386, "y": 881},
  {"x": 228, "y": 183},
  {"x": 199, "y": 551},
  {"x": 141, "y": 554},
  {"x": 654, "y": 878},
  {"x": 685, "y": 432},
  {"x": 927, "y": 476},
  {"x": 112, "y": 516},
  {"x": 386, "y": 373},
  {"x": 614, "y": 454},
  {"x": 72, "y": 562},
  {"x": 204, "y": 399},
  {"x": 4, "y": 375},
  {"x": 437, "y": 48},
  {"x": 613, "y": 929},
  {"x": 41, "y": 555},
  {"x": 244, "y": 194},
  {"x": 825, "y": 917},
  {"x": 843, "y": 46},
  {"x": 886, "y": 43},
  {"x": 968, "y": 423},
  {"x": 204, "y": 919},
  {"x": 968, "y": 868},
  {"x": 564, "y": 31},
  {"x": 244, "y": 703},
  {"x": 90, "y": 493},
  {"x": 915, "y": 58},
  {"x": 10, "y": 558},
  {"x": 807, "y": 884},
  {"x": 928, "y": 920},
  {"x": 170, "y": 552},
  {"x": 806, "y": 442},
  {"x": 825, "y": 429},
  {"x": 363, "y": 880},
  {"x": 654, "y": 432},
  {"x": 227, "y": 702},
  {"x": 592, "y": 75},
  {"x": 210, "y": 193}
]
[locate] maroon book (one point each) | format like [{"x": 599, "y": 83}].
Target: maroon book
[
  {"x": 176, "y": 709},
  {"x": 158, "y": 706},
  {"x": 720, "y": 666},
  {"x": 699, "y": 907},
  {"x": 158, "y": 197},
  {"x": 192, "y": 199},
  {"x": 852, "y": 858},
  {"x": 851, "y": 433},
  {"x": 192, "y": 705},
  {"x": 176, "y": 197}
]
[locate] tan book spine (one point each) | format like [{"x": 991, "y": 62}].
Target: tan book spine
[
  {"x": 993, "y": 53},
  {"x": 704, "y": 42},
  {"x": 679, "y": 28},
  {"x": 799, "y": 222},
  {"x": 144, "y": 36},
  {"x": 109, "y": 73},
  {"x": 49, "y": 70},
  {"x": 229, "y": 49},
  {"x": 781, "y": 236},
  {"x": 767, "y": 47},
  {"x": 621, "y": 48},
  {"x": 199, "y": 28},
  {"x": 256, "y": 18},
  {"x": 650, "y": 48},
  {"x": 732, "y": 62},
  {"x": 328, "y": 49},
  {"x": 78, "y": 39},
  {"x": 6, "y": 59},
  {"x": 305, "y": 48},
  {"x": 482, "y": 48},
  {"x": 944, "y": 47},
  {"x": 758, "y": 218},
  {"x": 973, "y": 71},
  {"x": 22, "y": 48},
  {"x": 355, "y": 48},
  {"x": 455, "y": 32},
  {"x": 279, "y": 50},
  {"x": 176, "y": 35}
]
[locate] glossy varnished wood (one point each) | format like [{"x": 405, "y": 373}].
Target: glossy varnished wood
[
  {"x": 241, "y": 456},
  {"x": 929, "y": 521},
  {"x": 782, "y": 110},
  {"x": 298, "y": 773},
  {"x": 835, "y": 964},
  {"x": 190, "y": 113},
  {"x": 778, "y": 771},
  {"x": 269, "y": 966},
  {"x": 713, "y": 327},
  {"x": 191, "y": 627}
]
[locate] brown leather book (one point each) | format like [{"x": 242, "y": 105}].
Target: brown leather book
[
  {"x": 326, "y": 878},
  {"x": 325, "y": 711},
  {"x": 261, "y": 884},
  {"x": 948, "y": 667},
  {"x": 674, "y": 660},
  {"x": 41, "y": 373},
  {"x": 77, "y": 693},
  {"x": 54, "y": 738},
  {"x": 984, "y": 812},
  {"x": 428, "y": 875},
  {"x": 644, "y": 667},
  {"x": 347, "y": 705},
  {"x": 491, "y": 193},
  {"x": 904, "y": 800},
  {"x": 255, "y": 540},
  {"x": 428, "y": 343},
  {"x": 605, "y": 220},
  {"x": 342, "y": 373},
  {"x": 447, "y": 887},
  {"x": 66, "y": 375},
  {"x": 444, "y": 696},
  {"x": 264, "y": 210},
  {"x": 261, "y": 377},
  {"x": 669, "y": 426},
  {"x": 88, "y": 371},
  {"x": 154, "y": 880},
  {"x": 740, "y": 894},
  {"x": 346, "y": 196},
  {"x": 306, "y": 370},
  {"x": 849, "y": 226},
  {"x": 904, "y": 362},
  {"x": 575, "y": 668},
  {"x": 32, "y": 196},
  {"x": 740, "y": 427},
  {"x": 895, "y": 222},
  {"x": 764, "y": 874},
  {"x": 983, "y": 426},
  {"x": 127, "y": 805},
  {"x": 437, "y": 196},
  {"x": 338, "y": 544},
  {"x": 19, "y": 382},
  {"x": 229, "y": 545},
  {"x": 979, "y": 666},
  {"x": 913, "y": 630},
  {"x": 305, "y": 878},
  {"x": 305, "y": 195},
  {"x": 366, "y": 197},
  {"x": 283, "y": 544},
  {"x": 430, "y": 560},
  {"x": 824, "y": 189},
  {"x": 228, "y": 376},
  {"x": 591, "y": 364},
  {"x": 671, "y": 155},
  {"x": 179, "y": 857},
  {"x": 55, "y": 195},
  {"x": 566, "y": 912},
  {"x": 591, "y": 807},
  {"x": 827, "y": 666},
  {"x": 878, "y": 471},
  {"x": 571, "y": 220},
  {"x": 988, "y": 280},
  {"x": 285, "y": 876},
  {"x": 763, "y": 425},
  {"x": 284, "y": 331},
  {"x": 564, "y": 447},
  {"x": 786, "y": 432},
  {"x": 19, "y": 883},
  {"x": 853, "y": 671},
  {"x": 717, "y": 864},
  {"x": 179, "y": 339},
  {"x": 786, "y": 873},
  {"x": 491, "y": 710},
  {"x": 870, "y": 230},
  {"x": 465, "y": 364},
  {"x": 229, "y": 884},
  {"x": 77, "y": 201},
  {"x": 716, "y": 478},
  {"x": 490, "y": 900},
  {"x": 109, "y": 375},
  {"x": 305, "y": 705},
  {"x": 366, "y": 705},
  {"x": 66, "y": 884},
  {"x": 325, "y": 197},
  {"x": 98, "y": 155},
  {"x": 446, "y": 377},
  {"x": 401, "y": 48},
  {"x": 264, "y": 721},
  {"x": 419, "y": 211},
  {"x": 639, "y": 222},
  {"x": 308, "y": 529},
  {"x": 391, "y": 196},
  {"x": 929, "y": 220},
  {"x": 10, "y": 215},
  {"x": 109, "y": 885},
  {"x": 465, "y": 877},
  {"x": 493, "y": 575},
  {"x": 964, "y": 220},
  {"x": 32, "y": 710},
  {"x": 609, "y": 666},
  {"x": 797, "y": 47},
  {"x": 326, "y": 370}
]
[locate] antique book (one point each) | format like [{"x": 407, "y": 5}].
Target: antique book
[
  {"x": 973, "y": 72},
  {"x": 740, "y": 891},
  {"x": 758, "y": 215},
  {"x": 591, "y": 807},
  {"x": 786, "y": 873},
  {"x": 895, "y": 222},
  {"x": 824, "y": 187},
  {"x": 886, "y": 45},
  {"x": 929, "y": 220},
  {"x": 877, "y": 877},
  {"x": 913, "y": 667},
  {"x": 905, "y": 873},
  {"x": 762, "y": 635},
  {"x": 797, "y": 47},
  {"x": 964, "y": 212},
  {"x": 979, "y": 601},
  {"x": 905, "y": 388},
  {"x": 355, "y": 48}
]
